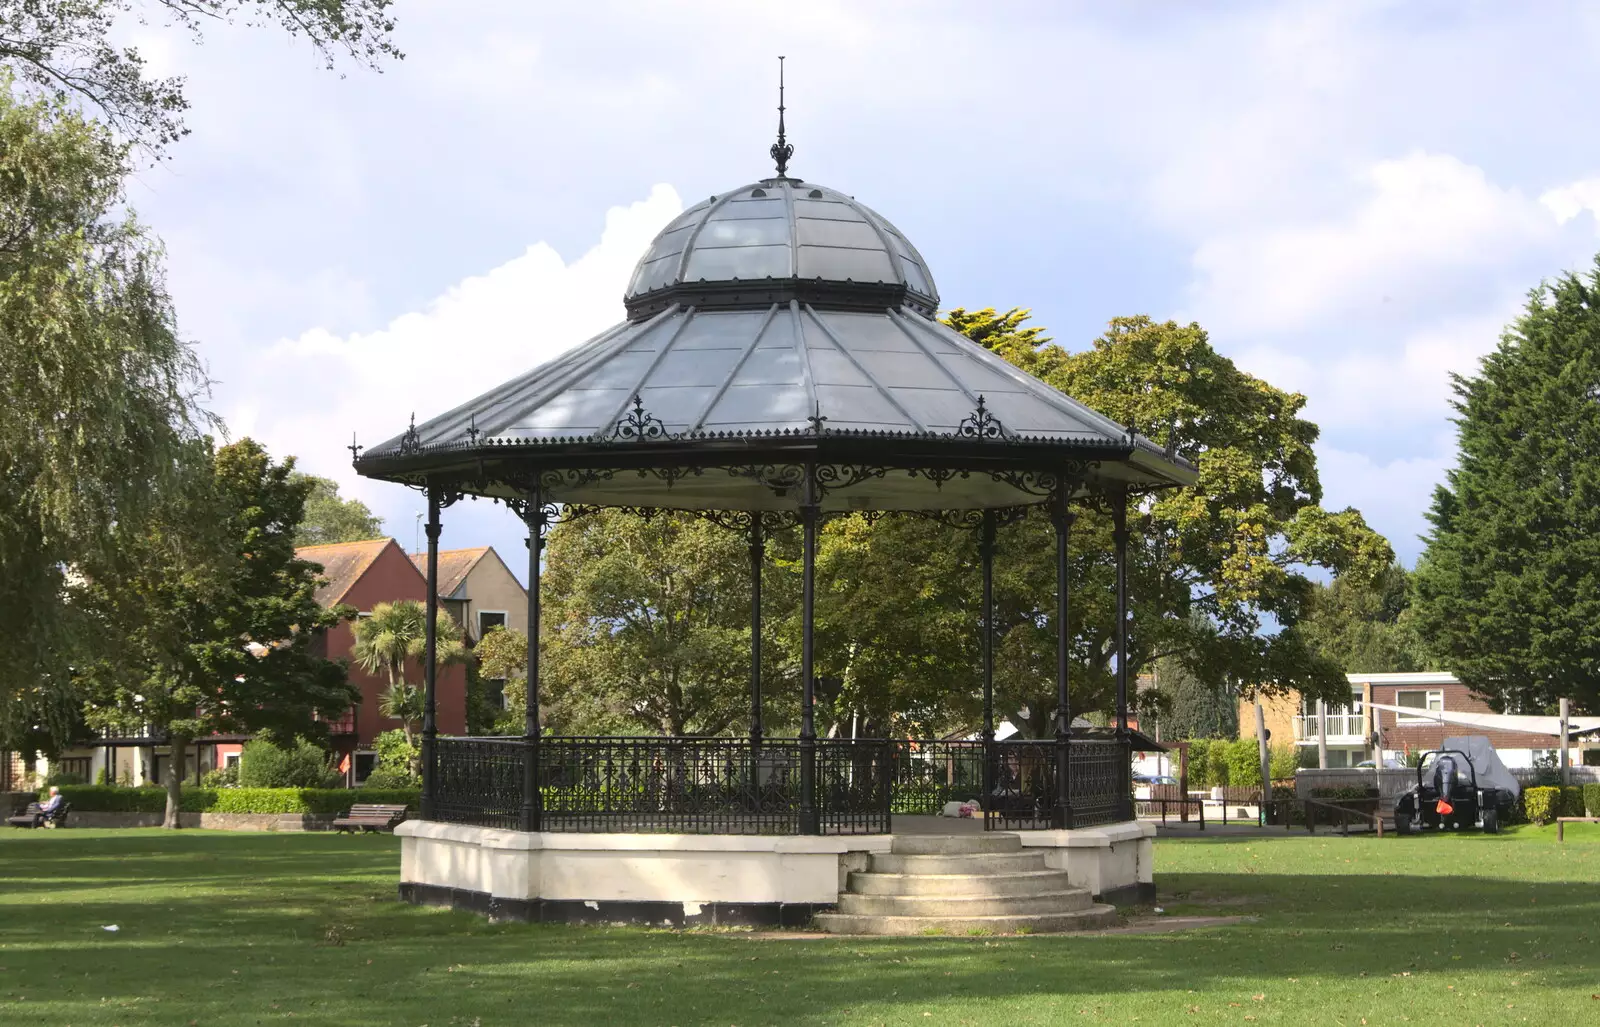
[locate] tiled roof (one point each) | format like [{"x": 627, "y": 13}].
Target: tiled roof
[
  {"x": 342, "y": 564},
  {"x": 454, "y": 566}
]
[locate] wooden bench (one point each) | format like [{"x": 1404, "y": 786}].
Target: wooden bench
[
  {"x": 1562, "y": 822},
  {"x": 35, "y": 816},
  {"x": 370, "y": 818}
]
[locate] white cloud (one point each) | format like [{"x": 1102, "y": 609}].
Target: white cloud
[
  {"x": 1568, "y": 201},
  {"x": 1426, "y": 221},
  {"x": 305, "y": 395},
  {"x": 1393, "y": 495}
]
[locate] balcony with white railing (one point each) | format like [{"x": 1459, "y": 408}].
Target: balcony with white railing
[{"x": 1342, "y": 727}]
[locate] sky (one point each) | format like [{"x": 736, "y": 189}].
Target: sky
[{"x": 1353, "y": 197}]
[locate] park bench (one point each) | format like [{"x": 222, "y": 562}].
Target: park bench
[
  {"x": 35, "y": 816},
  {"x": 370, "y": 818},
  {"x": 1562, "y": 822}
]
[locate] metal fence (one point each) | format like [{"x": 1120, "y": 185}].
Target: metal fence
[{"x": 732, "y": 786}]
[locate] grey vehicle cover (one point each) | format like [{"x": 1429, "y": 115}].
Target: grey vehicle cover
[{"x": 1485, "y": 762}]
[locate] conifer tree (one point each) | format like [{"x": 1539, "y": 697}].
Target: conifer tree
[{"x": 1508, "y": 590}]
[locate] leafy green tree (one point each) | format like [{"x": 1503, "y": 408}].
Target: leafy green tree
[
  {"x": 215, "y": 616},
  {"x": 390, "y": 641},
  {"x": 97, "y": 397},
  {"x": 1217, "y": 574},
  {"x": 1508, "y": 589},
  {"x": 1366, "y": 627},
  {"x": 332, "y": 519},
  {"x": 648, "y": 622},
  {"x": 68, "y": 50}
]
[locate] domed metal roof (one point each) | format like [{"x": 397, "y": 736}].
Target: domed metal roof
[{"x": 780, "y": 234}]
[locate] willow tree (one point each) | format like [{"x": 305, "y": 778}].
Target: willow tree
[
  {"x": 97, "y": 393},
  {"x": 70, "y": 50}
]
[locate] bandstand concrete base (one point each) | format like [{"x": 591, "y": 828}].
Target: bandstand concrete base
[{"x": 710, "y": 879}]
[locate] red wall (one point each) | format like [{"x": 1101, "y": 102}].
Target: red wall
[
  {"x": 1458, "y": 698},
  {"x": 392, "y": 576}
]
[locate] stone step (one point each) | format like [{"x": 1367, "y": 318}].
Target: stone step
[
  {"x": 955, "y": 844},
  {"x": 1034, "y": 923},
  {"x": 966, "y": 906},
  {"x": 1028, "y": 882},
  {"x": 970, "y": 863}
]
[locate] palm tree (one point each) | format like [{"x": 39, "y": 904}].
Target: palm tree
[{"x": 394, "y": 634}]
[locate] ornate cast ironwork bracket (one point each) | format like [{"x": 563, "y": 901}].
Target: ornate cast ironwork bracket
[
  {"x": 982, "y": 424},
  {"x": 638, "y": 426},
  {"x": 411, "y": 442},
  {"x": 355, "y": 450}
]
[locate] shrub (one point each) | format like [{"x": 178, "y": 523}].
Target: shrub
[
  {"x": 1541, "y": 805},
  {"x": 1284, "y": 761},
  {"x": 304, "y": 765},
  {"x": 396, "y": 754},
  {"x": 388, "y": 777},
  {"x": 1199, "y": 763},
  {"x": 1591, "y": 800},
  {"x": 62, "y": 777},
  {"x": 1572, "y": 801},
  {"x": 1243, "y": 758},
  {"x": 222, "y": 777},
  {"x": 97, "y": 799}
]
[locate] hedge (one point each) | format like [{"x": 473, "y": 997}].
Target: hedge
[
  {"x": 102, "y": 799},
  {"x": 1591, "y": 799},
  {"x": 1544, "y": 805}
]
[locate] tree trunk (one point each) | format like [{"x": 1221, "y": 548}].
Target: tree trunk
[{"x": 175, "y": 765}]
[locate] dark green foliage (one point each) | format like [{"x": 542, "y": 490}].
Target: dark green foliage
[
  {"x": 1196, "y": 708},
  {"x": 97, "y": 799},
  {"x": 1508, "y": 590},
  {"x": 1366, "y": 627},
  {"x": 1591, "y": 800},
  {"x": 302, "y": 764}
]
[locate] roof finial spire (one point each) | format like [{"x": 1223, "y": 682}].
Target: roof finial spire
[{"x": 781, "y": 150}]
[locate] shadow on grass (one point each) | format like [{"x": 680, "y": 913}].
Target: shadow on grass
[{"x": 295, "y": 925}]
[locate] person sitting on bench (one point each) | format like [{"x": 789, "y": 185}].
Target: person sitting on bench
[{"x": 48, "y": 808}]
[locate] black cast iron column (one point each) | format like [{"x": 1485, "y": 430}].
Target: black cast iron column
[
  {"x": 810, "y": 823},
  {"x": 532, "y": 799},
  {"x": 757, "y": 558},
  {"x": 1119, "y": 536},
  {"x": 1063, "y": 516},
  {"x": 986, "y": 556},
  {"x": 430, "y": 662}
]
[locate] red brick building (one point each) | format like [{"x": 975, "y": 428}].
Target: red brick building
[
  {"x": 362, "y": 575},
  {"x": 1353, "y": 727}
]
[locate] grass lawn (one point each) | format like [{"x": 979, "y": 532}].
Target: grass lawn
[{"x": 237, "y": 928}]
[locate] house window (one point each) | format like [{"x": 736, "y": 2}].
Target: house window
[
  {"x": 231, "y": 759},
  {"x": 1430, "y": 699},
  {"x": 494, "y": 693},
  {"x": 490, "y": 619}
]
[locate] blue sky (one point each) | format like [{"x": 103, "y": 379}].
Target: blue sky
[{"x": 1352, "y": 197}]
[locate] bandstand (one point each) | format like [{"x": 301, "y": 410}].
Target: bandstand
[{"x": 780, "y": 363}]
